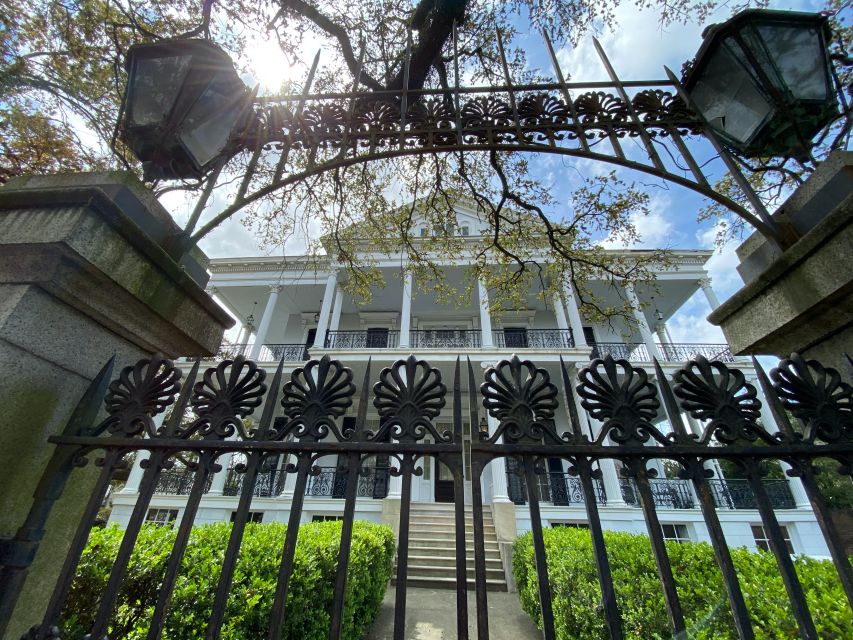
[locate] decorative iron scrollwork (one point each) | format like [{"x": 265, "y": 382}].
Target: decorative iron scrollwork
[
  {"x": 714, "y": 392},
  {"x": 225, "y": 394},
  {"x": 316, "y": 394},
  {"x": 141, "y": 391},
  {"x": 622, "y": 397},
  {"x": 522, "y": 397},
  {"x": 408, "y": 396},
  {"x": 600, "y": 110},
  {"x": 816, "y": 396}
]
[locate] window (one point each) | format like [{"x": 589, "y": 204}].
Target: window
[
  {"x": 759, "y": 534},
  {"x": 569, "y": 525},
  {"x": 464, "y": 231},
  {"x": 254, "y": 516},
  {"x": 423, "y": 232},
  {"x": 675, "y": 532},
  {"x": 161, "y": 517},
  {"x": 326, "y": 518}
]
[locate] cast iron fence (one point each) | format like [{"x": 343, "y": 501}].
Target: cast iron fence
[
  {"x": 409, "y": 396},
  {"x": 679, "y": 352}
]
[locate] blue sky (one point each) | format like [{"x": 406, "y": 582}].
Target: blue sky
[{"x": 638, "y": 49}]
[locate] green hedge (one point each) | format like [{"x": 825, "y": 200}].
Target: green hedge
[
  {"x": 577, "y": 597},
  {"x": 309, "y": 600}
]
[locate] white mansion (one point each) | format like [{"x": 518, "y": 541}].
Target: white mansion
[{"x": 293, "y": 309}]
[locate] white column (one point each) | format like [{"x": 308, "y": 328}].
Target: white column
[
  {"x": 336, "y": 310},
  {"x": 709, "y": 292},
  {"x": 642, "y": 325},
  {"x": 560, "y": 313},
  {"x": 575, "y": 317},
  {"x": 323, "y": 322},
  {"x": 609, "y": 474},
  {"x": 136, "y": 473},
  {"x": 406, "y": 313},
  {"x": 266, "y": 320},
  {"x": 801, "y": 498},
  {"x": 217, "y": 484},
  {"x": 663, "y": 335},
  {"x": 485, "y": 316},
  {"x": 239, "y": 339},
  {"x": 500, "y": 490}
]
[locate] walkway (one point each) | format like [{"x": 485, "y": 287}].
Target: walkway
[{"x": 431, "y": 615}]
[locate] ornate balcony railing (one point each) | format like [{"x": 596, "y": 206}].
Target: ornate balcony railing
[
  {"x": 673, "y": 352},
  {"x": 558, "y": 488},
  {"x": 682, "y": 352},
  {"x": 630, "y": 351},
  {"x": 534, "y": 339},
  {"x": 362, "y": 339},
  {"x": 267, "y": 485},
  {"x": 667, "y": 493},
  {"x": 178, "y": 482},
  {"x": 287, "y": 352},
  {"x": 445, "y": 339},
  {"x": 737, "y": 494},
  {"x": 331, "y": 483}
]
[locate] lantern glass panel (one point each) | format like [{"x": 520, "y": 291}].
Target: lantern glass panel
[
  {"x": 728, "y": 97},
  {"x": 155, "y": 86},
  {"x": 209, "y": 122},
  {"x": 798, "y": 54}
]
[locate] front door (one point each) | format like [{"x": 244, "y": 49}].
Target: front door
[
  {"x": 443, "y": 483},
  {"x": 309, "y": 342}
]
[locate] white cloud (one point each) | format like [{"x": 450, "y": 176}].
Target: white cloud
[{"x": 656, "y": 229}]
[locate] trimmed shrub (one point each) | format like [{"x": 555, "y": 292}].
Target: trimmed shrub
[
  {"x": 578, "y": 613},
  {"x": 309, "y": 600}
]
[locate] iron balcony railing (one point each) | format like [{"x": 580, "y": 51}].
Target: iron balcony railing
[
  {"x": 728, "y": 494},
  {"x": 268, "y": 352},
  {"x": 267, "y": 484},
  {"x": 630, "y": 351},
  {"x": 331, "y": 483},
  {"x": 445, "y": 339},
  {"x": 681, "y": 352},
  {"x": 178, "y": 482},
  {"x": 674, "y": 352},
  {"x": 534, "y": 339},
  {"x": 555, "y": 487},
  {"x": 667, "y": 493},
  {"x": 737, "y": 494},
  {"x": 388, "y": 339}
]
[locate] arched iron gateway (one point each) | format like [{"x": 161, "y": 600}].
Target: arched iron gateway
[
  {"x": 409, "y": 395},
  {"x": 591, "y": 120}
]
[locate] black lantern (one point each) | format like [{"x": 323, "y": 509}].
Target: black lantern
[
  {"x": 184, "y": 100},
  {"x": 763, "y": 81}
]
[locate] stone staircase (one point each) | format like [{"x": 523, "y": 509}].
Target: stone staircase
[{"x": 432, "y": 548}]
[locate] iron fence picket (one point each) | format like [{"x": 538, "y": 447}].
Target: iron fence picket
[
  {"x": 695, "y": 469},
  {"x": 353, "y": 462},
  {"x": 529, "y": 465},
  {"x": 407, "y": 467},
  {"x": 179, "y": 547}
]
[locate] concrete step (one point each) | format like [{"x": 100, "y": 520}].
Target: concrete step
[
  {"x": 446, "y": 524},
  {"x": 450, "y": 583},
  {"x": 444, "y": 544},
  {"x": 442, "y": 507},
  {"x": 450, "y": 536},
  {"x": 449, "y": 552},
  {"x": 450, "y": 561},
  {"x": 424, "y": 571}
]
